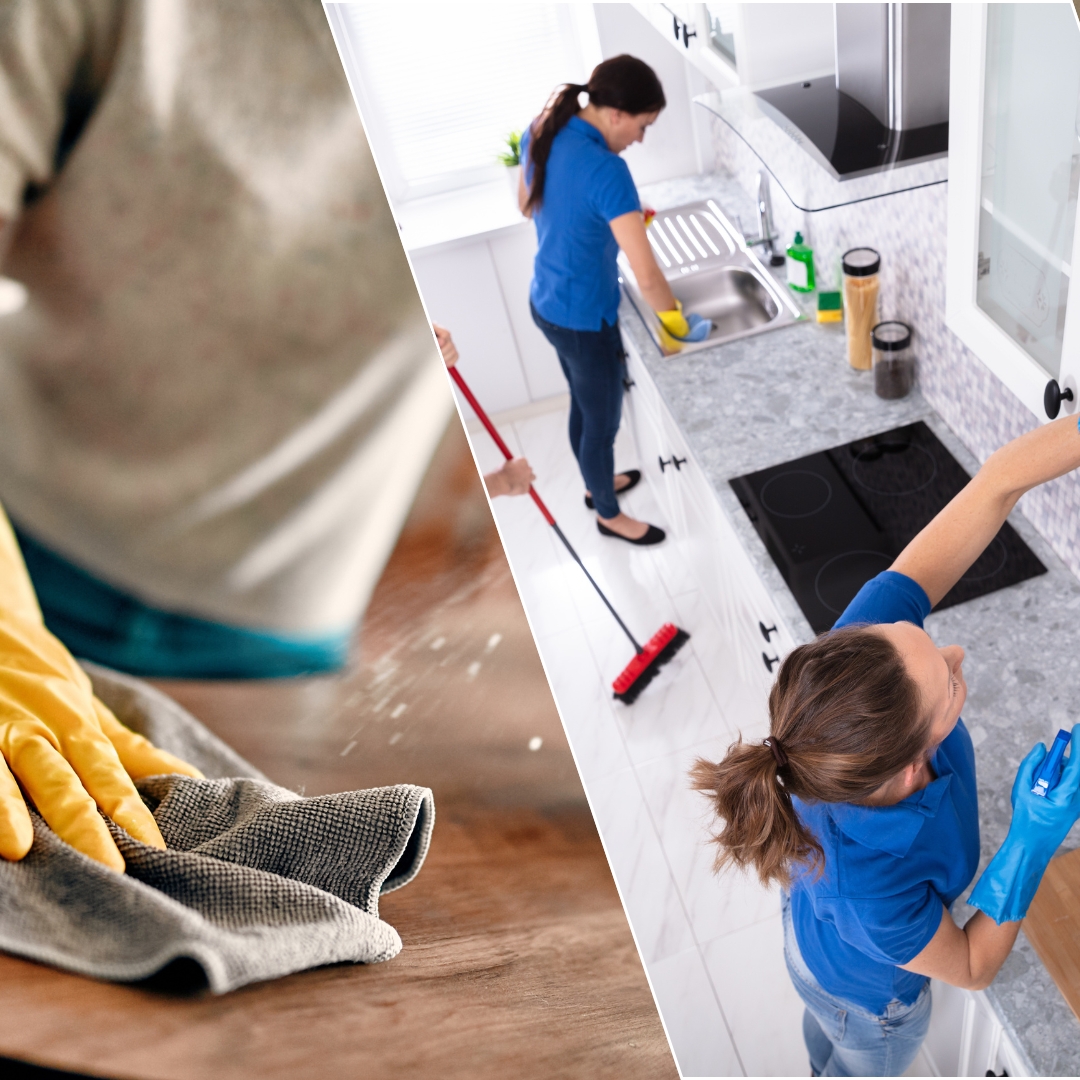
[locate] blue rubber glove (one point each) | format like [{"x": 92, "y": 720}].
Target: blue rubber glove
[
  {"x": 1039, "y": 824},
  {"x": 700, "y": 328}
]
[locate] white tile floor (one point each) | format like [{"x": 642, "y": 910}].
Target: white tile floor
[{"x": 712, "y": 946}]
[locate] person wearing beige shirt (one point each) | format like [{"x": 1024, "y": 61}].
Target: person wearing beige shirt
[{"x": 220, "y": 395}]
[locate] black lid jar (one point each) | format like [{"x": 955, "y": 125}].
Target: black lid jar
[
  {"x": 861, "y": 262},
  {"x": 894, "y": 359}
]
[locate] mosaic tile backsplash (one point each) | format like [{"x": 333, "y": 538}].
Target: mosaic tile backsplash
[{"x": 908, "y": 229}]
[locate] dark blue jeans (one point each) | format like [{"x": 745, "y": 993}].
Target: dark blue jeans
[{"x": 594, "y": 364}]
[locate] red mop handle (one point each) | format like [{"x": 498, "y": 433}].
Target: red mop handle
[{"x": 485, "y": 420}]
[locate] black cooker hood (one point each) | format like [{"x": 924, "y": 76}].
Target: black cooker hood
[
  {"x": 851, "y": 140},
  {"x": 887, "y": 102}
]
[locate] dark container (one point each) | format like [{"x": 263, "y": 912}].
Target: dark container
[{"x": 894, "y": 360}]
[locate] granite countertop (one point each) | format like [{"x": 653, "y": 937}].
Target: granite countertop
[{"x": 790, "y": 392}]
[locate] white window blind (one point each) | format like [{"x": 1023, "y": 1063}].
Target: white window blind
[{"x": 448, "y": 82}]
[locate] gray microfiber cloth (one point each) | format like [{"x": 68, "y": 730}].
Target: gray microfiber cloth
[{"x": 257, "y": 882}]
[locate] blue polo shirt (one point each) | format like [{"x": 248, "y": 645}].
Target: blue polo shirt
[
  {"x": 575, "y": 280},
  {"x": 888, "y": 869}
]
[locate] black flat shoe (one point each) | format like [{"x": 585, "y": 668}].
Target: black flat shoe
[
  {"x": 635, "y": 477},
  {"x": 652, "y": 536}
]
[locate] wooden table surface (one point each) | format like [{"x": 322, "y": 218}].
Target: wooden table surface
[
  {"x": 1053, "y": 925},
  {"x": 517, "y": 957}
]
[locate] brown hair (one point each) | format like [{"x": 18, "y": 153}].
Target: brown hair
[
  {"x": 845, "y": 717},
  {"x": 623, "y": 82}
]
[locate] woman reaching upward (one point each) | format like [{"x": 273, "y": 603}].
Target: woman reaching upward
[{"x": 862, "y": 801}]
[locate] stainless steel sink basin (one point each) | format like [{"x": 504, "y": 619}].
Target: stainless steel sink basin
[{"x": 713, "y": 272}]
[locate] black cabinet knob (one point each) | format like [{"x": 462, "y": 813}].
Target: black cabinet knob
[
  {"x": 1053, "y": 396},
  {"x": 675, "y": 24},
  {"x": 769, "y": 661},
  {"x": 766, "y": 631},
  {"x": 663, "y": 464},
  {"x": 627, "y": 383},
  {"x": 687, "y": 34}
]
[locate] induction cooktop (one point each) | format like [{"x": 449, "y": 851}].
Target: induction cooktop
[{"x": 834, "y": 519}]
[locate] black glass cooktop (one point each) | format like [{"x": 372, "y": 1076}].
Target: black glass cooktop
[{"x": 834, "y": 519}]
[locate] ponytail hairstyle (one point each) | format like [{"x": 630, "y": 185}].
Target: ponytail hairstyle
[
  {"x": 845, "y": 717},
  {"x": 623, "y": 82}
]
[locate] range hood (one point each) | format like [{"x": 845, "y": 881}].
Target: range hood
[
  {"x": 889, "y": 101},
  {"x": 880, "y": 125}
]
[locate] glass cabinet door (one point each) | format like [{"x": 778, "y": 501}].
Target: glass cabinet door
[
  {"x": 1030, "y": 169},
  {"x": 722, "y": 29}
]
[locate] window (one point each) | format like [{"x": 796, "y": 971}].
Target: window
[{"x": 442, "y": 85}]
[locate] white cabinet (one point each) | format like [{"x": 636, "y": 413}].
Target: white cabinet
[
  {"x": 479, "y": 289},
  {"x": 1014, "y": 166},
  {"x": 755, "y": 638},
  {"x": 755, "y": 45},
  {"x": 966, "y": 1038}
]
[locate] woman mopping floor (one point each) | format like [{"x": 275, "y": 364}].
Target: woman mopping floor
[
  {"x": 862, "y": 800},
  {"x": 580, "y": 194}
]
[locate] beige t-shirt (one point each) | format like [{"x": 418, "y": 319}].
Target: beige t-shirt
[{"x": 223, "y": 390}]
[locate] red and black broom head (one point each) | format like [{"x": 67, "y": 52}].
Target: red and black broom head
[{"x": 641, "y": 671}]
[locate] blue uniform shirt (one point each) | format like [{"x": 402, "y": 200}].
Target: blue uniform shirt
[
  {"x": 888, "y": 869},
  {"x": 575, "y": 280}
]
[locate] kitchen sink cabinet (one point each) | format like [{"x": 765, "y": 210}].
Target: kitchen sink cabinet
[{"x": 1014, "y": 167}]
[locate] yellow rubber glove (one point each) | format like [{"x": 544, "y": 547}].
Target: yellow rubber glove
[
  {"x": 674, "y": 322},
  {"x": 66, "y": 749}
]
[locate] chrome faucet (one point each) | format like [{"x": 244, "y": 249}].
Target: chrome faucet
[{"x": 765, "y": 223}]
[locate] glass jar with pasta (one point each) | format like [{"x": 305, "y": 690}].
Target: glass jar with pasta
[{"x": 861, "y": 285}]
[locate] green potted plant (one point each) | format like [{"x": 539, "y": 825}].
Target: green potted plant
[{"x": 511, "y": 158}]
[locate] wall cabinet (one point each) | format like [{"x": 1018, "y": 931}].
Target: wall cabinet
[
  {"x": 1014, "y": 166},
  {"x": 755, "y": 45}
]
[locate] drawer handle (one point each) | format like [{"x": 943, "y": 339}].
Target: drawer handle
[
  {"x": 674, "y": 460},
  {"x": 770, "y": 660},
  {"x": 766, "y": 631}
]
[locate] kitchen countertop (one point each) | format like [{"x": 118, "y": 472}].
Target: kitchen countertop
[{"x": 790, "y": 392}]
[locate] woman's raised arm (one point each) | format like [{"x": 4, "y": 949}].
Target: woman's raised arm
[{"x": 942, "y": 553}]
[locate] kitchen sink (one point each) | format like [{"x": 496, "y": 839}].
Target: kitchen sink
[{"x": 714, "y": 273}]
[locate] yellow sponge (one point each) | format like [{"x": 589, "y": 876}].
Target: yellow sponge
[{"x": 829, "y": 307}]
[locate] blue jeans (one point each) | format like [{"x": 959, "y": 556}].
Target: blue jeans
[
  {"x": 845, "y": 1039},
  {"x": 594, "y": 364}
]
